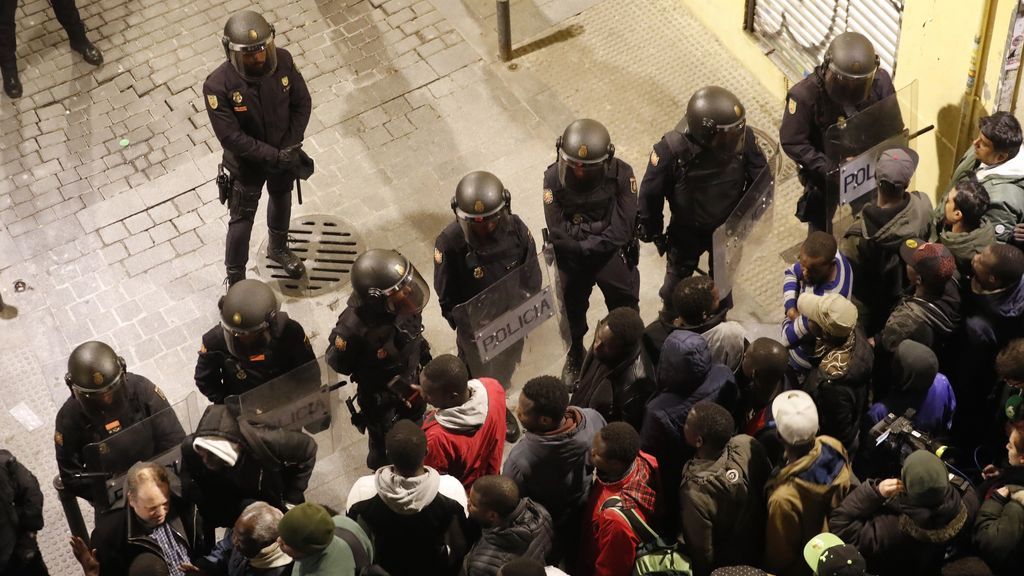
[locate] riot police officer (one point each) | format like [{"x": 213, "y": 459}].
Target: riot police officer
[
  {"x": 847, "y": 81},
  {"x": 378, "y": 341},
  {"x": 702, "y": 168},
  {"x": 259, "y": 107},
  {"x": 484, "y": 244},
  {"x": 255, "y": 342},
  {"x": 105, "y": 400},
  {"x": 590, "y": 208}
]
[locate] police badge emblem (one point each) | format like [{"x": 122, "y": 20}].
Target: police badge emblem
[
  {"x": 583, "y": 151},
  {"x": 284, "y": 81},
  {"x": 478, "y": 272},
  {"x": 236, "y": 97},
  {"x": 212, "y": 101}
]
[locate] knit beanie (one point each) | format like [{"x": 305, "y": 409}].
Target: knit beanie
[
  {"x": 307, "y": 528},
  {"x": 925, "y": 479}
]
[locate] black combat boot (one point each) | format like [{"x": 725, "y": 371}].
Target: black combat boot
[
  {"x": 235, "y": 274},
  {"x": 573, "y": 363},
  {"x": 12, "y": 85},
  {"x": 278, "y": 251}
]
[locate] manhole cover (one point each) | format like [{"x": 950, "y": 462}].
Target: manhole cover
[{"x": 327, "y": 245}]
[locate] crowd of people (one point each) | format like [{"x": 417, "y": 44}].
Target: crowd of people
[{"x": 881, "y": 432}]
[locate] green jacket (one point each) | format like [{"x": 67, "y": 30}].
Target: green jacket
[
  {"x": 999, "y": 534},
  {"x": 964, "y": 245},
  {"x": 1005, "y": 186},
  {"x": 336, "y": 559}
]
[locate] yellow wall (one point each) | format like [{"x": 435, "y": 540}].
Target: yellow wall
[{"x": 936, "y": 46}]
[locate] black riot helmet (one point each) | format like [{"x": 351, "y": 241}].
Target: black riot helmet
[
  {"x": 482, "y": 206},
  {"x": 96, "y": 376},
  {"x": 584, "y": 152},
  {"x": 249, "y": 44},
  {"x": 389, "y": 279},
  {"x": 247, "y": 314},
  {"x": 717, "y": 120},
  {"x": 849, "y": 66}
]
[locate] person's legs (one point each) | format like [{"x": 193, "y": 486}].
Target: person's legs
[
  {"x": 245, "y": 199},
  {"x": 619, "y": 283},
  {"x": 576, "y": 289},
  {"x": 71, "y": 20},
  {"x": 681, "y": 262},
  {"x": 279, "y": 213},
  {"x": 8, "y": 47}
]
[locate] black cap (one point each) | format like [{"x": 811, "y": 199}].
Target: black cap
[{"x": 843, "y": 560}]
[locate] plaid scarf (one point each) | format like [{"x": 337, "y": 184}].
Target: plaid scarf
[{"x": 637, "y": 490}]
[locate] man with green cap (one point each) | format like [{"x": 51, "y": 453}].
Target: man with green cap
[
  {"x": 323, "y": 545},
  {"x": 904, "y": 525}
]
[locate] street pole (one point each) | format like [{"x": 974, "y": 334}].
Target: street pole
[{"x": 504, "y": 31}]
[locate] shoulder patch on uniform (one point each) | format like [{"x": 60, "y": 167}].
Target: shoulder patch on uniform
[
  {"x": 211, "y": 99},
  {"x": 632, "y": 184},
  {"x": 159, "y": 392},
  {"x": 654, "y": 158},
  {"x": 438, "y": 256},
  {"x": 58, "y": 438},
  {"x": 792, "y": 106},
  {"x": 284, "y": 81},
  {"x": 340, "y": 344},
  {"x": 549, "y": 196}
]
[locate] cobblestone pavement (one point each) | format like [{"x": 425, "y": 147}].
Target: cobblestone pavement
[{"x": 109, "y": 212}]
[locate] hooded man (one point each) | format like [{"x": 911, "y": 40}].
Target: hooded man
[
  {"x": 229, "y": 461},
  {"x": 873, "y": 241},
  {"x": 513, "y": 527},
  {"x": 815, "y": 478},
  {"x": 466, "y": 432},
  {"x": 916, "y": 383},
  {"x": 904, "y": 525},
  {"x": 686, "y": 375},
  {"x": 414, "y": 515},
  {"x": 322, "y": 545}
]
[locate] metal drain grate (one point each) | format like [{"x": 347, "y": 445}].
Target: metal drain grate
[{"x": 327, "y": 245}]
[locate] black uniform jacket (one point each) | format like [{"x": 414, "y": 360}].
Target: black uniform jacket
[{"x": 253, "y": 120}]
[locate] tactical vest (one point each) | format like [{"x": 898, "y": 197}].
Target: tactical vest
[
  {"x": 588, "y": 213},
  {"x": 498, "y": 259},
  {"x": 705, "y": 190}
]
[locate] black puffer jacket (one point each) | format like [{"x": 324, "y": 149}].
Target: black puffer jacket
[
  {"x": 898, "y": 538},
  {"x": 620, "y": 392},
  {"x": 273, "y": 465},
  {"x": 839, "y": 386},
  {"x": 21, "y": 512},
  {"x": 526, "y": 533}
]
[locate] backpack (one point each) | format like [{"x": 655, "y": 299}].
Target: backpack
[
  {"x": 654, "y": 556},
  {"x": 360, "y": 555}
]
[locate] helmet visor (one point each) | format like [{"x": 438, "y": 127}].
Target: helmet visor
[
  {"x": 409, "y": 296},
  {"x": 847, "y": 89},
  {"x": 482, "y": 231},
  {"x": 247, "y": 344},
  {"x": 254, "y": 61},
  {"x": 729, "y": 140},
  {"x": 108, "y": 401},
  {"x": 579, "y": 175}
]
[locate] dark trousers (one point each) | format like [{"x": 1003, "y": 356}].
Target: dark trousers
[
  {"x": 685, "y": 250},
  {"x": 618, "y": 281},
  {"x": 33, "y": 565},
  {"x": 67, "y": 15},
  {"x": 245, "y": 201}
]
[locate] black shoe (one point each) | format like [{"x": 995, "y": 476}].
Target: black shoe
[
  {"x": 12, "y": 85},
  {"x": 234, "y": 275},
  {"x": 89, "y": 52},
  {"x": 573, "y": 363},
  {"x": 291, "y": 263}
]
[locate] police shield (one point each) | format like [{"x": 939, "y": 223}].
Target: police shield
[
  {"x": 749, "y": 224},
  {"x": 156, "y": 438},
  {"x": 853, "y": 144},
  {"x": 303, "y": 399},
  {"x": 515, "y": 329}
]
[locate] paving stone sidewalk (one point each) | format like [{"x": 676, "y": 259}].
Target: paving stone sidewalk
[{"x": 124, "y": 243}]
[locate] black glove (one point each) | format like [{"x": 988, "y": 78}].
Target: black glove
[
  {"x": 567, "y": 249},
  {"x": 288, "y": 158},
  {"x": 648, "y": 232}
]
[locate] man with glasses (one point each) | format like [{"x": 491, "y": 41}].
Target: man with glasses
[{"x": 259, "y": 107}]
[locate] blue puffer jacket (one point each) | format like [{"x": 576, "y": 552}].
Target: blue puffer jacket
[{"x": 686, "y": 375}]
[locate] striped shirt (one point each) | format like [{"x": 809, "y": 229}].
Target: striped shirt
[{"x": 795, "y": 331}]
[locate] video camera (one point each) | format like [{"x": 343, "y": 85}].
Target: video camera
[{"x": 897, "y": 434}]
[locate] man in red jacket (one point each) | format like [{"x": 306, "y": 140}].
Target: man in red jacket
[
  {"x": 466, "y": 432},
  {"x": 623, "y": 471}
]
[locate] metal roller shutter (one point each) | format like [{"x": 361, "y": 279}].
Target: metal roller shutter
[{"x": 796, "y": 33}]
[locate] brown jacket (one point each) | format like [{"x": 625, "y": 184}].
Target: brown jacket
[{"x": 799, "y": 502}]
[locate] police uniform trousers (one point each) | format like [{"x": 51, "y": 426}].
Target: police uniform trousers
[
  {"x": 618, "y": 281},
  {"x": 243, "y": 213},
  {"x": 684, "y": 252},
  {"x": 67, "y": 15}
]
